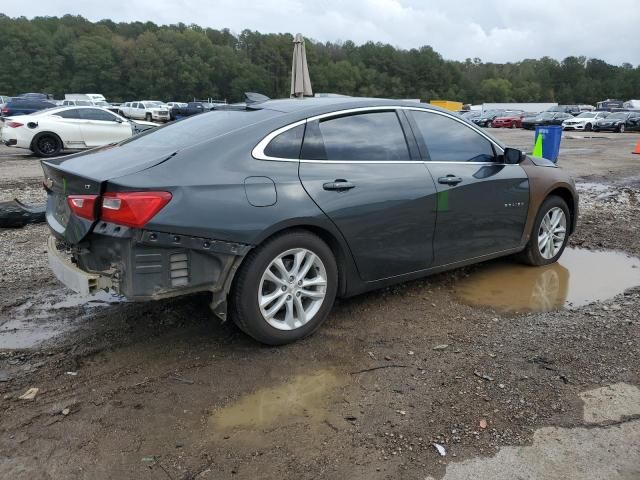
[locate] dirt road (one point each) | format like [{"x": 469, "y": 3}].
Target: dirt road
[{"x": 161, "y": 390}]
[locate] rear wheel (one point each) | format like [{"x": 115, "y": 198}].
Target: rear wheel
[
  {"x": 148, "y": 117},
  {"x": 587, "y": 127},
  {"x": 621, "y": 128},
  {"x": 513, "y": 124},
  {"x": 285, "y": 288},
  {"x": 550, "y": 233},
  {"x": 47, "y": 145}
]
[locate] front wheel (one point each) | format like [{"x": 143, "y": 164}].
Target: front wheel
[
  {"x": 147, "y": 117},
  {"x": 550, "y": 233},
  {"x": 285, "y": 288},
  {"x": 587, "y": 127},
  {"x": 621, "y": 128}
]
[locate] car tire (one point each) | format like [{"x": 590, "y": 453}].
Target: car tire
[
  {"x": 543, "y": 252},
  {"x": 513, "y": 124},
  {"x": 588, "y": 127},
  {"x": 275, "y": 310},
  {"x": 148, "y": 117},
  {"x": 621, "y": 128},
  {"x": 46, "y": 145}
]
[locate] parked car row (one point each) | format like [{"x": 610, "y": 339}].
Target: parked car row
[
  {"x": 49, "y": 132},
  {"x": 562, "y": 115}
]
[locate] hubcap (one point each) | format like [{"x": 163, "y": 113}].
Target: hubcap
[
  {"x": 552, "y": 232},
  {"x": 292, "y": 289}
]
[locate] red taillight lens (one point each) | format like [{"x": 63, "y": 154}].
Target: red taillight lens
[
  {"x": 5, "y": 110},
  {"x": 14, "y": 124},
  {"x": 133, "y": 209},
  {"x": 83, "y": 205}
]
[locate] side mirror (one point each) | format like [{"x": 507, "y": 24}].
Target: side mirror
[
  {"x": 512, "y": 156},
  {"x": 119, "y": 120}
]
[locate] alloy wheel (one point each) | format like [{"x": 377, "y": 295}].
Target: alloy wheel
[
  {"x": 292, "y": 289},
  {"x": 47, "y": 145},
  {"x": 552, "y": 232}
]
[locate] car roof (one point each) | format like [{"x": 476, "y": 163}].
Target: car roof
[{"x": 291, "y": 105}]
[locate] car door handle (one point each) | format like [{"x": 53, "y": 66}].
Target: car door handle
[
  {"x": 338, "y": 185},
  {"x": 450, "y": 180}
]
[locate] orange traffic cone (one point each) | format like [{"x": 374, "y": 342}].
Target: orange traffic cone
[{"x": 637, "y": 150}]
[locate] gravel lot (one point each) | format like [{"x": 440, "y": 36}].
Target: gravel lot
[{"x": 161, "y": 390}]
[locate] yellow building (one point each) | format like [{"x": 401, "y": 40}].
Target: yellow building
[{"x": 447, "y": 104}]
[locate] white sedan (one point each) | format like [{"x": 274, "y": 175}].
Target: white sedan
[
  {"x": 585, "y": 121},
  {"x": 49, "y": 132}
]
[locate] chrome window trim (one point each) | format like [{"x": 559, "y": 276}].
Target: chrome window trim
[{"x": 258, "y": 150}]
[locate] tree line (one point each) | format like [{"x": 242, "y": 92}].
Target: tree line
[{"x": 126, "y": 61}]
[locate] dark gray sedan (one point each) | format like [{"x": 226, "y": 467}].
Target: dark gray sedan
[{"x": 279, "y": 207}]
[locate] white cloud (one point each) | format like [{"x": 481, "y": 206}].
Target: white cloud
[{"x": 494, "y": 30}]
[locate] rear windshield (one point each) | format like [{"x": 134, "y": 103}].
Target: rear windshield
[{"x": 199, "y": 128}]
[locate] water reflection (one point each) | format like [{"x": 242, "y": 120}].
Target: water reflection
[
  {"x": 301, "y": 396},
  {"x": 580, "y": 277}
]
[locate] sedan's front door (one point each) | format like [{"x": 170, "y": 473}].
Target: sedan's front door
[
  {"x": 102, "y": 127},
  {"x": 369, "y": 180},
  {"x": 482, "y": 203}
]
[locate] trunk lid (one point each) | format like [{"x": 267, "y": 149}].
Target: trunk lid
[{"x": 86, "y": 174}]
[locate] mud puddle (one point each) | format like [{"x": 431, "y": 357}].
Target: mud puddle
[
  {"x": 579, "y": 278},
  {"x": 45, "y": 317},
  {"x": 302, "y": 396}
]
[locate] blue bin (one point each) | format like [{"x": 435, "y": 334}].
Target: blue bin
[{"x": 551, "y": 137}]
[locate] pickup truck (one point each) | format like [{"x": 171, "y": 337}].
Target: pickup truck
[{"x": 145, "y": 110}]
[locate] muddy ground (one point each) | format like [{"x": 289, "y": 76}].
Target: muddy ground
[{"x": 162, "y": 390}]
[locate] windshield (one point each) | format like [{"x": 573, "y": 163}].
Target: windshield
[
  {"x": 198, "y": 128},
  {"x": 622, "y": 115},
  {"x": 586, "y": 115},
  {"x": 49, "y": 111},
  {"x": 545, "y": 116}
]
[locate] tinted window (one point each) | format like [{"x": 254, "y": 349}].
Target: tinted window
[
  {"x": 287, "y": 144},
  {"x": 364, "y": 137},
  {"x": 448, "y": 140},
  {"x": 72, "y": 113},
  {"x": 95, "y": 114}
]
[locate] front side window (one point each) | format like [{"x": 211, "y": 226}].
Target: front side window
[
  {"x": 373, "y": 136},
  {"x": 287, "y": 144},
  {"x": 447, "y": 140}
]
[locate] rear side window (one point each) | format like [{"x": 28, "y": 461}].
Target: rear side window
[
  {"x": 287, "y": 144},
  {"x": 374, "y": 136},
  {"x": 95, "y": 114},
  {"x": 71, "y": 113},
  {"x": 447, "y": 140}
]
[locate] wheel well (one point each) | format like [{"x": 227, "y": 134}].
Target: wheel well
[
  {"x": 332, "y": 242},
  {"x": 41, "y": 134},
  {"x": 566, "y": 195}
]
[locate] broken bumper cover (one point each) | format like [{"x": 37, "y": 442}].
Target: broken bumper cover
[
  {"x": 144, "y": 265},
  {"x": 71, "y": 276}
]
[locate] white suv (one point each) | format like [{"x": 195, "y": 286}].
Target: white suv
[
  {"x": 585, "y": 121},
  {"x": 145, "y": 110}
]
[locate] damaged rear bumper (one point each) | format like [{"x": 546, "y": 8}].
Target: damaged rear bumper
[{"x": 146, "y": 265}]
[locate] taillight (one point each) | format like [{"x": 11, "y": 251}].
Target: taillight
[
  {"x": 133, "y": 209},
  {"x": 5, "y": 110},
  {"x": 14, "y": 124},
  {"x": 83, "y": 205}
]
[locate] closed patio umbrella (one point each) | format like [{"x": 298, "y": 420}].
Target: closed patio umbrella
[{"x": 300, "y": 82}]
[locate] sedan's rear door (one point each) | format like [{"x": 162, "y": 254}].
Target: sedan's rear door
[{"x": 363, "y": 170}]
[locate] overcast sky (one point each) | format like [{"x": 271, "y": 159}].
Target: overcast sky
[{"x": 493, "y": 30}]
